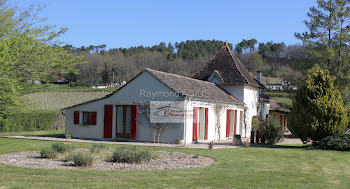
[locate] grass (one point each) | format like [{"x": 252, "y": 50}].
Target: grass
[
  {"x": 255, "y": 167},
  {"x": 61, "y": 99},
  {"x": 281, "y": 97},
  {"x": 55, "y": 97},
  {"x": 64, "y": 88}
]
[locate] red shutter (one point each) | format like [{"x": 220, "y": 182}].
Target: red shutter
[
  {"x": 133, "y": 120},
  {"x": 228, "y": 122},
  {"x": 76, "y": 117},
  {"x": 206, "y": 125},
  {"x": 93, "y": 118},
  {"x": 195, "y": 118},
  {"x": 108, "y": 117},
  {"x": 235, "y": 128}
]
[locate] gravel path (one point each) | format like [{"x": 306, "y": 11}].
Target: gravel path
[{"x": 166, "y": 160}]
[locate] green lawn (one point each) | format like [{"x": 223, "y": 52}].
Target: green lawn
[{"x": 255, "y": 167}]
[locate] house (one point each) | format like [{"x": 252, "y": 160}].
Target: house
[
  {"x": 280, "y": 114},
  {"x": 217, "y": 103},
  {"x": 276, "y": 83}
]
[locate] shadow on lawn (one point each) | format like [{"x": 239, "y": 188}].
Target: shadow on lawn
[
  {"x": 50, "y": 135},
  {"x": 302, "y": 146}
]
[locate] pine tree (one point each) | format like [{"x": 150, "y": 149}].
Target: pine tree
[
  {"x": 318, "y": 109},
  {"x": 328, "y": 40}
]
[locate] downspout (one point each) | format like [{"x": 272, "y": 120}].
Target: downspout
[{"x": 185, "y": 121}]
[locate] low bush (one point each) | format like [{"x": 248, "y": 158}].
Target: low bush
[
  {"x": 97, "y": 147},
  {"x": 82, "y": 159},
  {"x": 68, "y": 156},
  {"x": 270, "y": 131},
  {"x": 341, "y": 143},
  {"x": 48, "y": 153},
  {"x": 62, "y": 148},
  {"x": 131, "y": 155}
]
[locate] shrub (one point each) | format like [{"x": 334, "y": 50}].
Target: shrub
[
  {"x": 246, "y": 144},
  {"x": 62, "y": 148},
  {"x": 270, "y": 131},
  {"x": 82, "y": 159},
  {"x": 131, "y": 155},
  {"x": 97, "y": 147},
  {"x": 33, "y": 120},
  {"x": 68, "y": 136},
  {"x": 318, "y": 109},
  {"x": 68, "y": 156},
  {"x": 341, "y": 143},
  {"x": 48, "y": 153}
]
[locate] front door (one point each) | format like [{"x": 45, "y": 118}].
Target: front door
[{"x": 108, "y": 117}]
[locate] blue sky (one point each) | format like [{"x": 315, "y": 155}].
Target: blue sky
[{"x": 132, "y": 23}]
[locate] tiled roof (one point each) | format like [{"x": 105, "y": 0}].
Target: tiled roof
[
  {"x": 184, "y": 86},
  {"x": 229, "y": 67},
  {"x": 192, "y": 87},
  {"x": 276, "y": 107}
]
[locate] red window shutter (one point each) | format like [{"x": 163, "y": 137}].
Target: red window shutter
[
  {"x": 108, "y": 117},
  {"x": 235, "y": 128},
  {"x": 93, "y": 118},
  {"x": 195, "y": 117},
  {"x": 206, "y": 125},
  {"x": 228, "y": 122},
  {"x": 76, "y": 117},
  {"x": 133, "y": 120}
]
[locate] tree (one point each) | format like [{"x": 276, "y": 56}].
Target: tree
[
  {"x": 157, "y": 128},
  {"x": 318, "y": 109},
  {"x": 28, "y": 52},
  {"x": 328, "y": 40}
]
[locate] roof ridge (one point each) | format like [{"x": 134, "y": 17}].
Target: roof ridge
[
  {"x": 149, "y": 69},
  {"x": 234, "y": 60}
]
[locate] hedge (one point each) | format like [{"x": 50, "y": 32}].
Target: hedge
[{"x": 32, "y": 120}]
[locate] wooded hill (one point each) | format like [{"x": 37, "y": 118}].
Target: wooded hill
[{"x": 184, "y": 58}]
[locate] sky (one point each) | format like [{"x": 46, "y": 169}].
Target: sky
[{"x": 132, "y": 23}]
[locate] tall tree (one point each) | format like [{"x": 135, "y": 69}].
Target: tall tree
[
  {"x": 328, "y": 40},
  {"x": 28, "y": 52}
]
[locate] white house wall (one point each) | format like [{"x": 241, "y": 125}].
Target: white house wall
[
  {"x": 213, "y": 133},
  {"x": 129, "y": 94},
  {"x": 250, "y": 96}
]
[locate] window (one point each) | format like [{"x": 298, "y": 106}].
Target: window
[
  {"x": 89, "y": 118},
  {"x": 86, "y": 118}
]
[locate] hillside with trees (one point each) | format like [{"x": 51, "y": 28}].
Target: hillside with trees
[{"x": 184, "y": 58}]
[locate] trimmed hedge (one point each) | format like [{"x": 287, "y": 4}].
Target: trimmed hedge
[
  {"x": 341, "y": 143},
  {"x": 32, "y": 120}
]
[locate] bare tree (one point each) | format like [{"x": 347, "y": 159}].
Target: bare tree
[
  {"x": 157, "y": 128},
  {"x": 219, "y": 110}
]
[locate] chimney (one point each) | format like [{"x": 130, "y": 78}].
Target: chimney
[{"x": 259, "y": 76}]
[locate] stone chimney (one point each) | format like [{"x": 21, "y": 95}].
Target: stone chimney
[{"x": 259, "y": 78}]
